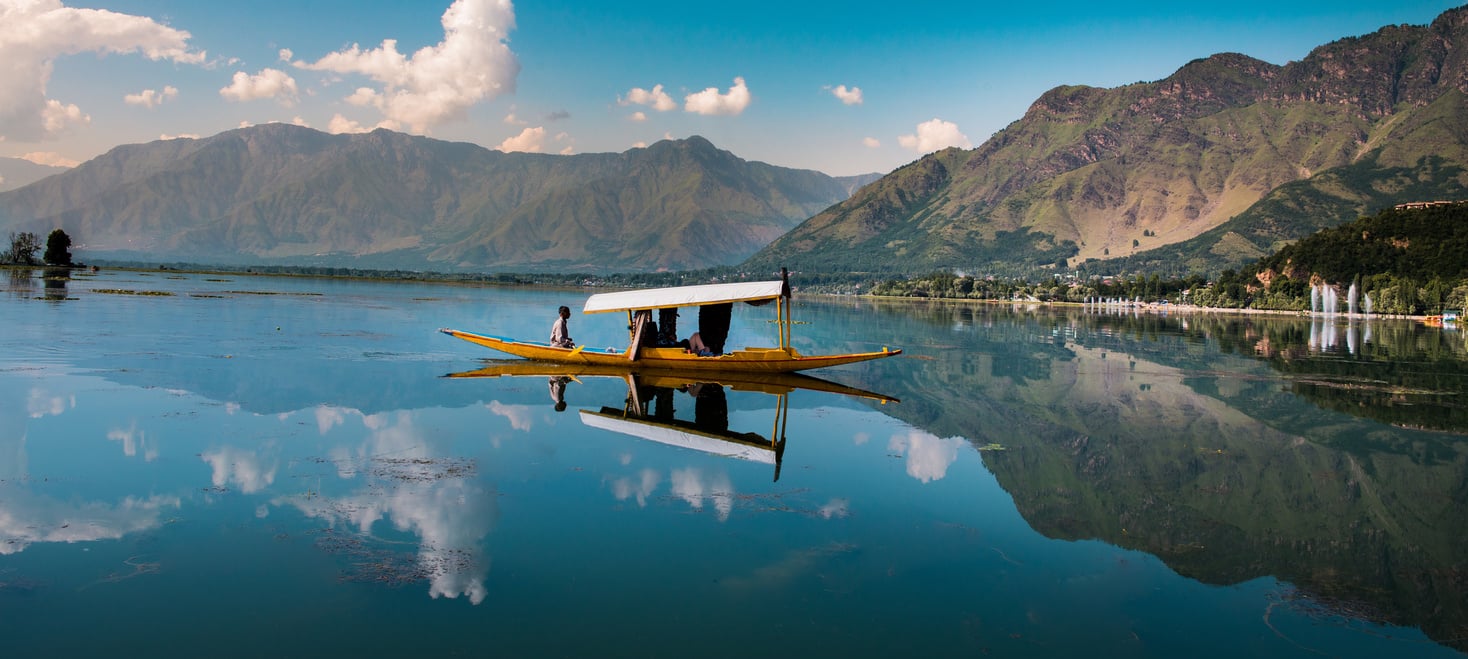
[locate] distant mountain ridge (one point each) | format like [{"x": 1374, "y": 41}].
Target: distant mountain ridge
[
  {"x": 1217, "y": 164},
  {"x": 280, "y": 193},
  {"x": 16, "y": 173}
]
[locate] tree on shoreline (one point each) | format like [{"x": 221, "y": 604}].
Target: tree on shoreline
[
  {"x": 58, "y": 248},
  {"x": 23, "y": 248}
]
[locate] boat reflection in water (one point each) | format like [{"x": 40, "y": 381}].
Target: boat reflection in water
[{"x": 649, "y": 410}]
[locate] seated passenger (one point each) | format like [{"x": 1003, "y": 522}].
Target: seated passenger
[
  {"x": 560, "y": 335},
  {"x": 697, "y": 347}
]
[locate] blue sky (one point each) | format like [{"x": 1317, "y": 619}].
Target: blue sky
[{"x": 769, "y": 81}]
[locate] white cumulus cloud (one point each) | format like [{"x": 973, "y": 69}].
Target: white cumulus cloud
[
  {"x": 268, "y": 83},
  {"x": 340, "y": 124},
  {"x": 35, "y": 33},
  {"x": 57, "y": 116},
  {"x": 655, "y": 98},
  {"x": 710, "y": 101},
  {"x": 638, "y": 116},
  {"x": 151, "y": 98},
  {"x": 870, "y": 142},
  {"x": 438, "y": 83},
  {"x": 530, "y": 140},
  {"x": 848, "y": 96},
  {"x": 933, "y": 135}
]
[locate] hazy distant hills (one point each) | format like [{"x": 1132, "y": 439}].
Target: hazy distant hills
[
  {"x": 15, "y": 173},
  {"x": 1218, "y": 164},
  {"x": 278, "y": 193}
]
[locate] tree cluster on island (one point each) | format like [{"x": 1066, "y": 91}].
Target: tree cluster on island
[{"x": 24, "y": 245}]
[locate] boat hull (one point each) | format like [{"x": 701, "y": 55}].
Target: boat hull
[{"x": 766, "y": 360}]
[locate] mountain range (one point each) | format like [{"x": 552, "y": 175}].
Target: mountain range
[
  {"x": 1227, "y": 160},
  {"x": 1220, "y": 163},
  {"x": 279, "y": 193}
]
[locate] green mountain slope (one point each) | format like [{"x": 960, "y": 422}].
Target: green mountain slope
[
  {"x": 1217, "y": 163},
  {"x": 284, "y": 194}
]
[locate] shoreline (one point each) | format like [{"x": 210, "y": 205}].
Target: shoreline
[
  {"x": 1143, "y": 307},
  {"x": 1155, "y": 308}
]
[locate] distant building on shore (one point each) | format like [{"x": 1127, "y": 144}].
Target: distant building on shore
[{"x": 1425, "y": 204}]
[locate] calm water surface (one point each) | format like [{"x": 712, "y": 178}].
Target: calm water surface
[{"x": 199, "y": 465}]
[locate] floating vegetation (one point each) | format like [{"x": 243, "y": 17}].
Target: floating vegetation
[
  {"x": 220, "y": 280},
  {"x": 15, "y": 585},
  {"x": 217, "y": 297},
  {"x": 139, "y": 568},
  {"x": 129, "y": 291},
  {"x": 371, "y": 562},
  {"x": 271, "y": 293},
  {"x": 763, "y": 502},
  {"x": 422, "y": 470},
  {"x": 407, "y": 470},
  {"x": 993, "y": 446}
]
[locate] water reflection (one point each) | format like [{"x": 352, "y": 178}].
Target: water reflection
[
  {"x": 54, "y": 283},
  {"x": 27, "y": 518},
  {"x": 928, "y": 457},
  {"x": 1217, "y": 443},
  {"x": 22, "y": 282},
  {"x": 650, "y": 411},
  {"x": 409, "y": 486},
  {"x": 325, "y": 453}
]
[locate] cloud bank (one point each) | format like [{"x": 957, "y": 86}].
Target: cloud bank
[
  {"x": 438, "y": 83},
  {"x": 34, "y": 33}
]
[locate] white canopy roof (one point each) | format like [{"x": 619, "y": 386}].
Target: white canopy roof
[
  {"x": 674, "y": 437},
  {"x": 682, "y": 296}
]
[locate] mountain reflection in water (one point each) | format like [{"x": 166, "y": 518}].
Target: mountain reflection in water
[
  {"x": 1225, "y": 445},
  {"x": 225, "y": 452}
]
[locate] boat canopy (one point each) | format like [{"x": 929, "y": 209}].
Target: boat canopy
[
  {"x": 734, "y": 445},
  {"x": 683, "y": 296}
]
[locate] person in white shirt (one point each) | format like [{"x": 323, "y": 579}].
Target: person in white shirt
[{"x": 560, "y": 335}]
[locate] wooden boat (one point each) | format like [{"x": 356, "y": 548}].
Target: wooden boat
[
  {"x": 640, "y": 353},
  {"x": 647, "y": 413}
]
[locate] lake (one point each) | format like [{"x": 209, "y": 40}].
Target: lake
[{"x": 228, "y": 465}]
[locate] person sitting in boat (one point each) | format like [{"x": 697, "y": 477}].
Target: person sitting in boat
[
  {"x": 697, "y": 346},
  {"x": 560, "y": 336}
]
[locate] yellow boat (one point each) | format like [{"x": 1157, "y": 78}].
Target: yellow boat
[
  {"x": 647, "y": 411},
  {"x": 644, "y": 351}
]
